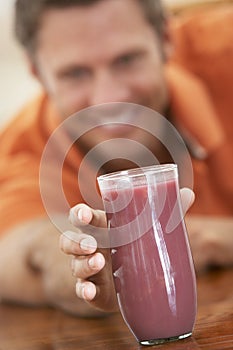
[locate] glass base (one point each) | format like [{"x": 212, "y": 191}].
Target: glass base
[{"x": 164, "y": 340}]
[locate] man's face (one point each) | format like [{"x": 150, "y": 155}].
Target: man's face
[{"x": 102, "y": 53}]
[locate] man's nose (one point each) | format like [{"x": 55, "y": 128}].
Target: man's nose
[{"x": 109, "y": 88}]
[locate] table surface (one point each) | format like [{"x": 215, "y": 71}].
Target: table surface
[{"x": 23, "y": 328}]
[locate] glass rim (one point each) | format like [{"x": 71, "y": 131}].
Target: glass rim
[{"x": 140, "y": 171}]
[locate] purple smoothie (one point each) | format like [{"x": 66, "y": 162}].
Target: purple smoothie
[{"x": 153, "y": 273}]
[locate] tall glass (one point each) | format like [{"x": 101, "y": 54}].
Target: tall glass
[{"x": 151, "y": 259}]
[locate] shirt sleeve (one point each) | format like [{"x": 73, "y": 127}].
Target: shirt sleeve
[{"x": 20, "y": 198}]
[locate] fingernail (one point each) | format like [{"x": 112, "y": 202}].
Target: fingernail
[
  {"x": 96, "y": 262},
  {"x": 80, "y": 214},
  {"x": 84, "y": 215},
  {"x": 92, "y": 262},
  {"x": 88, "y": 293},
  {"x": 88, "y": 244},
  {"x": 80, "y": 287}
]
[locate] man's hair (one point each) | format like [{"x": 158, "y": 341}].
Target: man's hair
[{"x": 28, "y": 15}]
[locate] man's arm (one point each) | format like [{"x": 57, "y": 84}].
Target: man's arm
[
  {"x": 33, "y": 270},
  {"x": 211, "y": 240}
]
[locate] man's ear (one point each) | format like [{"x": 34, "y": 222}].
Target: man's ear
[
  {"x": 32, "y": 67},
  {"x": 167, "y": 40}
]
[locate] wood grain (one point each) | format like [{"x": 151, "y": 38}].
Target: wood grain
[{"x": 24, "y": 328}]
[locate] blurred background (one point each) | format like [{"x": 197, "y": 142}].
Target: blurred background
[{"x": 16, "y": 84}]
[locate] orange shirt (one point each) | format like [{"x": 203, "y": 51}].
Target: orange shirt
[
  {"x": 203, "y": 45},
  {"x": 201, "y": 119}
]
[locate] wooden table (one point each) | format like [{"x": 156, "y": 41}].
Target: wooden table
[{"x": 45, "y": 329}]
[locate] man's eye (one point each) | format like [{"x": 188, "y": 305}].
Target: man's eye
[
  {"x": 77, "y": 73},
  {"x": 127, "y": 60}
]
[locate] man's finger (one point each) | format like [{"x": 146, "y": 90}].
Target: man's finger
[
  {"x": 82, "y": 215},
  {"x": 85, "y": 290},
  {"x": 86, "y": 266},
  {"x": 77, "y": 243},
  {"x": 187, "y": 198}
]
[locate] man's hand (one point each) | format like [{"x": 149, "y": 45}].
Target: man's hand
[{"x": 91, "y": 266}]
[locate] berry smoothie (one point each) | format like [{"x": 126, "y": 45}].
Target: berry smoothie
[{"x": 153, "y": 273}]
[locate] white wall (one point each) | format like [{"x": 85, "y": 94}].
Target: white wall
[{"x": 16, "y": 84}]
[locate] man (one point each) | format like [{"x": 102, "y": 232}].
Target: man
[{"x": 87, "y": 53}]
